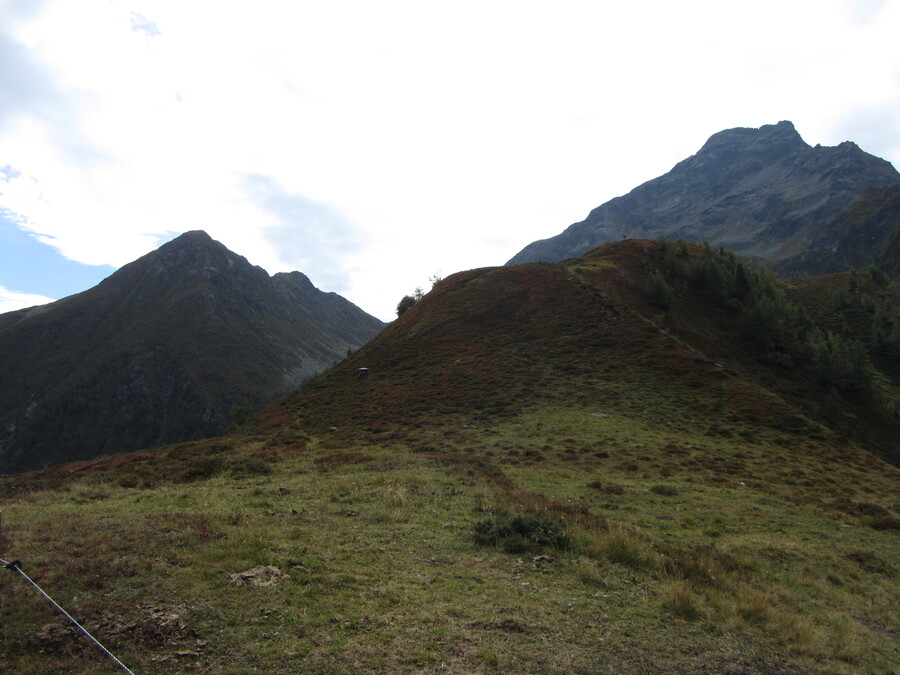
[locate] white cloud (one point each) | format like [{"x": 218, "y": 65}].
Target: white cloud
[
  {"x": 313, "y": 236},
  {"x": 407, "y": 137},
  {"x": 10, "y": 301}
]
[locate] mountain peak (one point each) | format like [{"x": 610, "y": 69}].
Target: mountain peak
[
  {"x": 195, "y": 240},
  {"x": 783, "y": 130},
  {"x": 161, "y": 351},
  {"x": 192, "y": 242},
  {"x": 191, "y": 236},
  {"x": 770, "y": 141},
  {"x": 188, "y": 259},
  {"x": 763, "y": 193}
]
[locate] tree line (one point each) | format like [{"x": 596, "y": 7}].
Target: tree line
[{"x": 767, "y": 321}]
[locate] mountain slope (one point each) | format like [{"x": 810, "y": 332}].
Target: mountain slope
[
  {"x": 161, "y": 351},
  {"x": 727, "y": 344},
  {"x": 866, "y": 233},
  {"x": 763, "y": 193},
  {"x": 651, "y": 459}
]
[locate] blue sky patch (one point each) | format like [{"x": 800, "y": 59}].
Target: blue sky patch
[{"x": 28, "y": 266}]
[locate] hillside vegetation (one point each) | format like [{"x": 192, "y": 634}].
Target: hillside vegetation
[{"x": 651, "y": 459}]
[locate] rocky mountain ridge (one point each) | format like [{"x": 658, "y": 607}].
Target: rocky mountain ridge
[
  {"x": 162, "y": 351},
  {"x": 763, "y": 193}
]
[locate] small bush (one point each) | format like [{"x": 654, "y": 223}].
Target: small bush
[
  {"x": 873, "y": 510},
  {"x": 250, "y": 466},
  {"x": 523, "y": 532},
  {"x": 883, "y": 522},
  {"x": 201, "y": 468},
  {"x": 606, "y": 488},
  {"x": 182, "y": 451},
  {"x": 139, "y": 477},
  {"x": 860, "y": 509},
  {"x": 870, "y": 562}
]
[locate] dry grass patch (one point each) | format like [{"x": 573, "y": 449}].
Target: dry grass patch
[{"x": 680, "y": 600}]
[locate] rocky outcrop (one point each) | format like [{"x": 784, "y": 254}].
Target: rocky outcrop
[
  {"x": 763, "y": 193},
  {"x": 163, "y": 351}
]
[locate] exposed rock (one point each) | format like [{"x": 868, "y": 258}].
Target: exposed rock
[
  {"x": 258, "y": 576},
  {"x": 56, "y": 638},
  {"x": 160, "y": 628}
]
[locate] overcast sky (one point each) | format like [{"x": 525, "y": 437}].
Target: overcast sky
[{"x": 371, "y": 145}]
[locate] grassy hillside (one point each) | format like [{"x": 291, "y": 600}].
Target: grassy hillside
[{"x": 550, "y": 468}]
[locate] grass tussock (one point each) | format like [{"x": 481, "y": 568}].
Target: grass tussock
[
  {"x": 622, "y": 546},
  {"x": 680, "y": 600},
  {"x": 755, "y": 608}
]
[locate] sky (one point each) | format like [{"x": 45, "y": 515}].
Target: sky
[{"x": 374, "y": 145}]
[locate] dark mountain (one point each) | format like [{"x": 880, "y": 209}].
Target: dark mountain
[
  {"x": 763, "y": 193},
  {"x": 674, "y": 334},
  {"x": 161, "y": 351}
]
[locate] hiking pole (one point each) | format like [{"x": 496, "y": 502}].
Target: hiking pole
[{"x": 16, "y": 566}]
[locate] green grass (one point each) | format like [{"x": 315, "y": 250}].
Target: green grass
[{"x": 396, "y": 560}]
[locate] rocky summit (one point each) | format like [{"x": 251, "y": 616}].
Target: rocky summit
[
  {"x": 175, "y": 346},
  {"x": 763, "y": 193}
]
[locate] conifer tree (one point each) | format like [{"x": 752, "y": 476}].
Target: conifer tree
[
  {"x": 741, "y": 284},
  {"x": 658, "y": 291}
]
